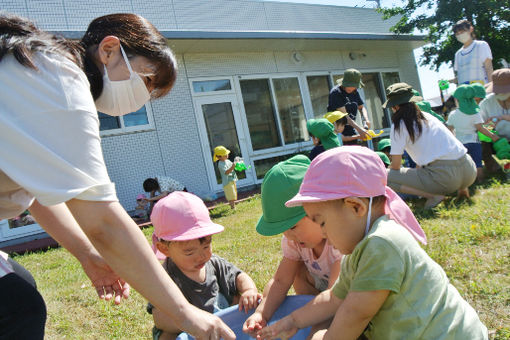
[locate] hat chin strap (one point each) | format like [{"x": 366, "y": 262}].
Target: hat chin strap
[{"x": 368, "y": 216}]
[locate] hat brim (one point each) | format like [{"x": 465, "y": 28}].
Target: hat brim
[
  {"x": 313, "y": 197},
  {"x": 274, "y": 228},
  {"x": 401, "y": 100},
  {"x": 347, "y": 84},
  {"x": 497, "y": 89}
]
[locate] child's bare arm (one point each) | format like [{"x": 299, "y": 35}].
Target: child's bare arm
[
  {"x": 333, "y": 274},
  {"x": 248, "y": 291},
  {"x": 321, "y": 308},
  {"x": 486, "y": 132},
  {"x": 354, "y": 313},
  {"x": 362, "y": 133},
  {"x": 274, "y": 293}
]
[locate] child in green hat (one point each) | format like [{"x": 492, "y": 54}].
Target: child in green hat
[
  {"x": 309, "y": 263},
  {"x": 323, "y": 136},
  {"x": 466, "y": 120}
]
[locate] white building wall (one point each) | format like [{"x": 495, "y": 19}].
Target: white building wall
[{"x": 242, "y": 15}]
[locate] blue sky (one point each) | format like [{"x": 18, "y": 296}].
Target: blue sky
[{"x": 428, "y": 78}]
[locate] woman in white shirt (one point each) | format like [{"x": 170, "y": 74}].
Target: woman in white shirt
[
  {"x": 443, "y": 163},
  {"x": 51, "y": 160},
  {"x": 473, "y": 61}
]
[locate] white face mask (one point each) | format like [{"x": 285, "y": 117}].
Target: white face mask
[
  {"x": 123, "y": 96},
  {"x": 463, "y": 37},
  {"x": 502, "y": 96}
]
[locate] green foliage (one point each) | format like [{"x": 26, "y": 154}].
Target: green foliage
[{"x": 491, "y": 19}]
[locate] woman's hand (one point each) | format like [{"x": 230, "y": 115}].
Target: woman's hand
[
  {"x": 203, "y": 325},
  {"x": 106, "y": 282}
]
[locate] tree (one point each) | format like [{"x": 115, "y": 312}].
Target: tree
[{"x": 435, "y": 18}]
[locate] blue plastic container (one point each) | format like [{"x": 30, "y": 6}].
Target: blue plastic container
[{"x": 235, "y": 319}]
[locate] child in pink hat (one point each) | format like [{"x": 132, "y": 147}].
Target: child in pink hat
[
  {"x": 388, "y": 288},
  {"x": 182, "y": 238}
]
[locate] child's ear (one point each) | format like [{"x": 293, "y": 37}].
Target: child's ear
[
  {"x": 357, "y": 206},
  {"x": 162, "y": 247}
]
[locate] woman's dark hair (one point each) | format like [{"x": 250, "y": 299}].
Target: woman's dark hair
[
  {"x": 461, "y": 25},
  {"x": 138, "y": 37},
  {"x": 413, "y": 118},
  {"x": 22, "y": 38},
  {"x": 150, "y": 184}
]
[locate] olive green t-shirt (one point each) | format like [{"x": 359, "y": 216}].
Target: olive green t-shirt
[
  {"x": 421, "y": 304},
  {"x": 223, "y": 166}
]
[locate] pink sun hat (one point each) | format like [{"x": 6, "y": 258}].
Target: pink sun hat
[
  {"x": 181, "y": 216},
  {"x": 354, "y": 171},
  {"x": 140, "y": 197}
]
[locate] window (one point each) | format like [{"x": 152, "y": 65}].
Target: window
[
  {"x": 262, "y": 166},
  {"x": 131, "y": 122},
  {"x": 319, "y": 87},
  {"x": 260, "y": 113},
  {"x": 211, "y": 85},
  {"x": 291, "y": 110}
]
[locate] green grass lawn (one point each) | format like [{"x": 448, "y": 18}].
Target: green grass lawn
[{"x": 469, "y": 239}]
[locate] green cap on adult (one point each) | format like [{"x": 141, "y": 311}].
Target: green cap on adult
[
  {"x": 351, "y": 78},
  {"x": 321, "y": 128},
  {"x": 400, "y": 93},
  {"x": 280, "y": 184}
]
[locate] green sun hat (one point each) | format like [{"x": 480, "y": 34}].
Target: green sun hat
[
  {"x": 383, "y": 144},
  {"x": 321, "y": 128},
  {"x": 280, "y": 184},
  {"x": 384, "y": 158},
  {"x": 426, "y": 107},
  {"x": 479, "y": 90},
  {"x": 400, "y": 93},
  {"x": 352, "y": 78},
  {"x": 465, "y": 95}
]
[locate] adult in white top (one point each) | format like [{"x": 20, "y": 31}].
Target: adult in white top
[
  {"x": 495, "y": 109},
  {"x": 473, "y": 61},
  {"x": 51, "y": 160},
  {"x": 443, "y": 163}
]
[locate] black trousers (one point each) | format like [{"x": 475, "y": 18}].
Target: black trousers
[{"x": 22, "y": 308}]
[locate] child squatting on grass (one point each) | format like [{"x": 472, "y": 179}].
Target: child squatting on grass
[
  {"x": 388, "y": 288},
  {"x": 309, "y": 262},
  {"x": 182, "y": 238}
]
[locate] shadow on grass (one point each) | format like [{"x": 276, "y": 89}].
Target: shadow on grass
[{"x": 221, "y": 211}]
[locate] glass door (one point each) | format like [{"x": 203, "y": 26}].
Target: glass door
[{"x": 220, "y": 124}]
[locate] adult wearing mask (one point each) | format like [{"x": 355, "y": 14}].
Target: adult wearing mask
[
  {"x": 51, "y": 88},
  {"x": 473, "y": 61},
  {"x": 345, "y": 97},
  {"x": 443, "y": 163},
  {"x": 495, "y": 109}
]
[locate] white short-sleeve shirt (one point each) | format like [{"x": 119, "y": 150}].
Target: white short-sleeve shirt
[
  {"x": 435, "y": 142},
  {"x": 469, "y": 62},
  {"x": 51, "y": 148},
  {"x": 464, "y": 126},
  {"x": 490, "y": 107}
]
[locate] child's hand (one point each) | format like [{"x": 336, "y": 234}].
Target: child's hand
[
  {"x": 249, "y": 299},
  {"x": 283, "y": 329},
  {"x": 254, "y": 324}
]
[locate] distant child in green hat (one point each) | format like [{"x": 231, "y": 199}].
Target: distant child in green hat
[
  {"x": 323, "y": 136},
  {"x": 345, "y": 98},
  {"x": 466, "y": 120},
  {"x": 384, "y": 146},
  {"x": 228, "y": 174},
  {"x": 309, "y": 262}
]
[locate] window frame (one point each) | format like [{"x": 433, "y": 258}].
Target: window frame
[
  {"x": 283, "y": 148},
  {"x": 211, "y": 93},
  {"x": 132, "y": 129}
]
